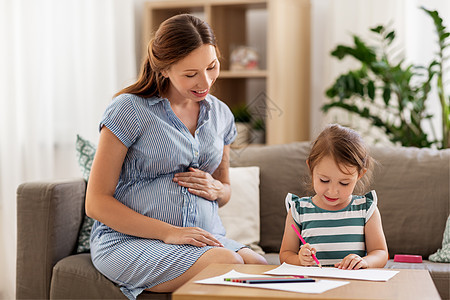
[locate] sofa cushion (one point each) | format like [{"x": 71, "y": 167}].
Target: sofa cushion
[
  {"x": 443, "y": 254},
  {"x": 75, "y": 277},
  {"x": 240, "y": 216},
  {"x": 272, "y": 258},
  {"x": 413, "y": 197},
  {"x": 282, "y": 169},
  {"x": 85, "y": 151}
]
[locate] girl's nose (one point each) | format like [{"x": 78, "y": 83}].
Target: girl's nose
[{"x": 333, "y": 190}]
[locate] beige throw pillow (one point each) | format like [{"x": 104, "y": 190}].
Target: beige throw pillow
[{"x": 240, "y": 216}]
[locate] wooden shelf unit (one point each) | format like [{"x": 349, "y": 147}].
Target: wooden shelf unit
[{"x": 281, "y": 88}]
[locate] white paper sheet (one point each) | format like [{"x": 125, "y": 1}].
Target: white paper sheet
[
  {"x": 361, "y": 274},
  {"x": 317, "y": 287}
]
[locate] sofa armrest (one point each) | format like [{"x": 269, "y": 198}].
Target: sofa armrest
[{"x": 49, "y": 216}]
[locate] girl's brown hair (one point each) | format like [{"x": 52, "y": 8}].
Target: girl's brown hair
[
  {"x": 175, "y": 38},
  {"x": 347, "y": 148}
]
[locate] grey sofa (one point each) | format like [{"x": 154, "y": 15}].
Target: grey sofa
[{"x": 412, "y": 186}]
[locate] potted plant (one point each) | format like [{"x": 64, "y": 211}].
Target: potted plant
[
  {"x": 242, "y": 118},
  {"x": 258, "y": 131},
  {"x": 393, "y": 95}
]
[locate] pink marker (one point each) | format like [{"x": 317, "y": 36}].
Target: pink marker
[{"x": 304, "y": 242}]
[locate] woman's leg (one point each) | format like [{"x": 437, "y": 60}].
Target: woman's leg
[
  {"x": 214, "y": 255},
  {"x": 251, "y": 257}
]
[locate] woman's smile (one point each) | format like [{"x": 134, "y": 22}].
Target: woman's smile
[{"x": 201, "y": 93}]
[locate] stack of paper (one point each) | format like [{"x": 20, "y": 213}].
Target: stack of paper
[
  {"x": 319, "y": 286},
  {"x": 361, "y": 274}
]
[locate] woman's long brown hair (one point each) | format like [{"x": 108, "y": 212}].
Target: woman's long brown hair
[{"x": 175, "y": 38}]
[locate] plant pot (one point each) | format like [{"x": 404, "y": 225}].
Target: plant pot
[
  {"x": 257, "y": 136},
  {"x": 243, "y": 134}
]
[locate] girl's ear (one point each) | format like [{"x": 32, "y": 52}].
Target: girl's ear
[
  {"x": 307, "y": 163},
  {"x": 164, "y": 74},
  {"x": 361, "y": 174}
]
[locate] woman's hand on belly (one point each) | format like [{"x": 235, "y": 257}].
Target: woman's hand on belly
[
  {"x": 192, "y": 236},
  {"x": 200, "y": 183}
]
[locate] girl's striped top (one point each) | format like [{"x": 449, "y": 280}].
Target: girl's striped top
[{"x": 334, "y": 234}]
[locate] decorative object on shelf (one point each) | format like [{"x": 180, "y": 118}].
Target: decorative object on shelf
[
  {"x": 404, "y": 88},
  {"x": 244, "y": 58}
]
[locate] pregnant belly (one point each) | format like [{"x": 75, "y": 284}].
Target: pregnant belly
[{"x": 208, "y": 217}]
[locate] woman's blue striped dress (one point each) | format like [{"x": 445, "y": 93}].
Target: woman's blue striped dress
[{"x": 160, "y": 145}]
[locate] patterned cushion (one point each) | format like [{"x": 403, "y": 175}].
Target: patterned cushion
[
  {"x": 443, "y": 255},
  {"x": 85, "y": 152}
]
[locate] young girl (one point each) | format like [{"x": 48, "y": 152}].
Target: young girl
[{"x": 343, "y": 230}]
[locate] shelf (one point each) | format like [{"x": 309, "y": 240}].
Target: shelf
[
  {"x": 243, "y": 74},
  {"x": 279, "y": 30}
]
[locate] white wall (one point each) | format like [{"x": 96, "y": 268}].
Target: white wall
[{"x": 334, "y": 22}]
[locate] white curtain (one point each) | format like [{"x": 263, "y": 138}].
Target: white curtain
[
  {"x": 61, "y": 61},
  {"x": 335, "y": 21}
]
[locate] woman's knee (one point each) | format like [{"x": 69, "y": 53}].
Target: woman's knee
[
  {"x": 251, "y": 257},
  {"x": 255, "y": 260},
  {"x": 214, "y": 255},
  {"x": 223, "y": 256}
]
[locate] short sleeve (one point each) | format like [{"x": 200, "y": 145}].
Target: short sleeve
[
  {"x": 121, "y": 118},
  {"x": 222, "y": 118},
  {"x": 292, "y": 203},
  {"x": 230, "y": 131},
  {"x": 371, "y": 203}
]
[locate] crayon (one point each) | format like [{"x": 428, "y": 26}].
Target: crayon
[
  {"x": 242, "y": 279},
  {"x": 304, "y": 242},
  {"x": 286, "y": 280}
]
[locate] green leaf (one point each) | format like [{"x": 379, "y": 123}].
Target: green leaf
[
  {"x": 390, "y": 37},
  {"x": 341, "y": 51},
  {"x": 371, "y": 90},
  {"x": 386, "y": 94},
  {"x": 377, "y": 29}
]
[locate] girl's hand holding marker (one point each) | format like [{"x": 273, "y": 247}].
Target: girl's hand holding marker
[{"x": 312, "y": 250}]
